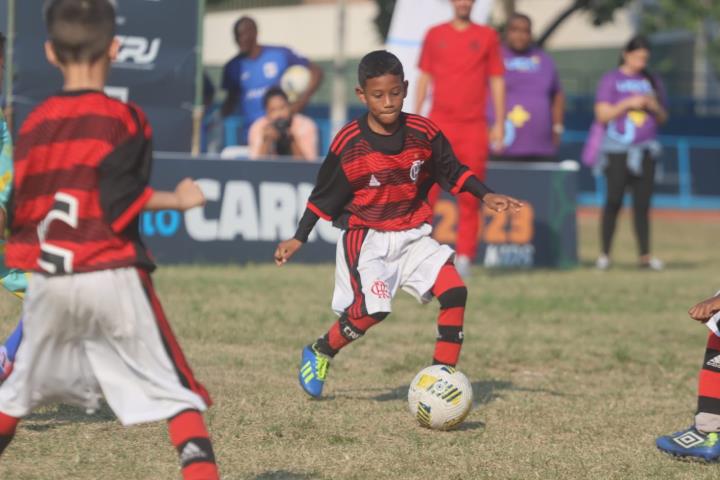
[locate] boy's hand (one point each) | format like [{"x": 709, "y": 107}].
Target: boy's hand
[
  {"x": 286, "y": 250},
  {"x": 705, "y": 309},
  {"x": 501, "y": 203},
  {"x": 189, "y": 194}
]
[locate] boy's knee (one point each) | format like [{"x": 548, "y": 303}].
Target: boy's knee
[{"x": 454, "y": 297}]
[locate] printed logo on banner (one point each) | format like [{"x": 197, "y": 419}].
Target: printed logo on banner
[
  {"x": 238, "y": 209},
  {"x": 137, "y": 52},
  {"x": 119, "y": 93},
  {"x": 508, "y": 236}
]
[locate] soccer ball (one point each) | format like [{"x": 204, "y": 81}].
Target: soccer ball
[
  {"x": 440, "y": 397},
  {"x": 295, "y": 81}
]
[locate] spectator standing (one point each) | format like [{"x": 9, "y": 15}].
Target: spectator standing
[
  {"x": 459, "y": 59},
  {"x": 535, "y": 102},
  {"x": 630, "y": 103},
  {"x": 256, "y": 68},
  {"x": 281, "y": 132}
]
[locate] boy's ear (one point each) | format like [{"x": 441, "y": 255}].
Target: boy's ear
[
  {"x": 114, "y": 49},
  {"x": 361, "y": 94},
  {"x": 50, "y": 54},
  {"x": 405, "y": 87}
]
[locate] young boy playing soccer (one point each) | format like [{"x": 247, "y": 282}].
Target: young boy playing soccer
[
  {"x": 93, "y": 325},
  {"x": 702, "y": 440},
  {"x": 374, "y": 185}
]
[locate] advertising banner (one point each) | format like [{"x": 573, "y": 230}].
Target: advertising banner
[
  {"x": 254, "y": 205},
  {"x": 155, "y": 67}
]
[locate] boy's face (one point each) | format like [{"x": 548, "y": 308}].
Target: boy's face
[{"x": 384, "y": 97}]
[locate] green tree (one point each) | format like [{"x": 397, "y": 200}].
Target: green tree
[
  {"x": 602, "y": 11},
  {"x": 701, "y": 17}
]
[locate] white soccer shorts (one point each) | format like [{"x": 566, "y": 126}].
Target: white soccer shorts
[
  {"x": 371, "y": 266},
  {"x": 89, "y": 335}
]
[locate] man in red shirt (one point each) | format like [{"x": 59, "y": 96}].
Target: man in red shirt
[{"x": 460, "y": 58}]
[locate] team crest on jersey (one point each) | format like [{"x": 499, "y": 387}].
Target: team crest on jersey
[
  {"x": 271, "y": 70},
  {"x": 415, "y": 170},
  {"x": 380, "y": 289}
]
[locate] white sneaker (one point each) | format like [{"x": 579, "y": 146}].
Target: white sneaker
[
  {"x": 653, "y": 264},
  {"x": 463, "y": 265},
  {"x": 603, "y": 262}
]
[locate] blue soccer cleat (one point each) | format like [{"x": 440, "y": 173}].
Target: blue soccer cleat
[
  {"x": 313, "y": 371},
  {"x": 691, "y": 443}
]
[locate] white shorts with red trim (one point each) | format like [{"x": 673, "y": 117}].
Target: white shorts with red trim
[
  {"x": 96, "y": 334},
  {"x": 371, "y": 266}
]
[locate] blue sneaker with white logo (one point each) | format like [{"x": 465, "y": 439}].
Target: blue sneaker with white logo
[
  {"x": 313, "y": 371},
  {"x": 691, "y": 443}
]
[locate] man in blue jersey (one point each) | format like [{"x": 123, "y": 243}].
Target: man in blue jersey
[{"x": 255, "y": 69}]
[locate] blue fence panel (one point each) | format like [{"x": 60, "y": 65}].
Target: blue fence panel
[{"x": 689, "y": 175}]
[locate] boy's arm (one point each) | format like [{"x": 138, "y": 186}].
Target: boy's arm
[
  {"x": 456, "y": 178},
  {"x": 705, "y": 309},
  {"x": 187, "y": 195},
  {"x": 328, "y": 199}
]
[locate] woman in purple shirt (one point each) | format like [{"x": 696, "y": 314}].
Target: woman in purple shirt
[{"x": 630, "y": 103}]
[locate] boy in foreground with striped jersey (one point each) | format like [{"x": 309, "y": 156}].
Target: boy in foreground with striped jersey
[
  {"x": 373, "y": 185},
  {"x": 93, "y": 325}
]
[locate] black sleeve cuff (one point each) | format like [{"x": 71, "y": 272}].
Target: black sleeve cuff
[
  {"x": 307, "y": 222},
  {"x": 476, "y": 187}
]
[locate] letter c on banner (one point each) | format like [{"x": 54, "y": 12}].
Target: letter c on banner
[{"x": 198, "y": 227}]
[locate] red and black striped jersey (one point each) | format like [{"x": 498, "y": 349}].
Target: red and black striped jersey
[
  {"x": 82, "y": 165},
  {"x": 382, "y": 182}
]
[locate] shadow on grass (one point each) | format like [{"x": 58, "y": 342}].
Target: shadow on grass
[
  {"x": 61, "y": 415},
  {"x": 468, "y": 426},
  {"x": 284, "y": 475},
  {"x": 484, "y": 392}
]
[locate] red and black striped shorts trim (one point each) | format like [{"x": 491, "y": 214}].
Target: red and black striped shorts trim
[
  {"x": 352, "y": 244},
  {"x": 172, "y": 347}
]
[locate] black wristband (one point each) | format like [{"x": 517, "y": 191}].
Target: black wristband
[
  {"x": 476, "y": 187},
  {"x": 307, "y": 222}
]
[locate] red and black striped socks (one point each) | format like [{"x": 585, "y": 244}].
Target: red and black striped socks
[
  {"x": 8, "y": 425},
  {"x": 346, "y": 330},
  {"x": 451, "y": 292},
  {"x": 190, "y": 437},
  {"x": 709, "y": 384}
]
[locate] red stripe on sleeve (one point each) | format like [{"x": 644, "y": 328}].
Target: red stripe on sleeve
[
  {"x": 132, "y": 211},
  {"x": 318, "y": 212},
  {"x": 461, "y": 181}
]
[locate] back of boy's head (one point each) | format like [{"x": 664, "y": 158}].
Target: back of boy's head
[
  {"x": 80, "y": 31},
  {"x": 378, "y": 63}
]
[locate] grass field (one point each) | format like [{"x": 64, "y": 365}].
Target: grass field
[{"x": 574, "y": 373}]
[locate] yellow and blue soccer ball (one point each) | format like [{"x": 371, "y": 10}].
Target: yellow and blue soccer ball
[{"x": 440, "y": 397}]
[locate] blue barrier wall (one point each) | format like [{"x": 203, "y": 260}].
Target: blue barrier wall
[
  {"x": 689, "y": 177},
  {"x": 252, "y": 205}
]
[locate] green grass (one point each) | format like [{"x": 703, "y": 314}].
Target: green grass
[{"x": 574, "y": 373}]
